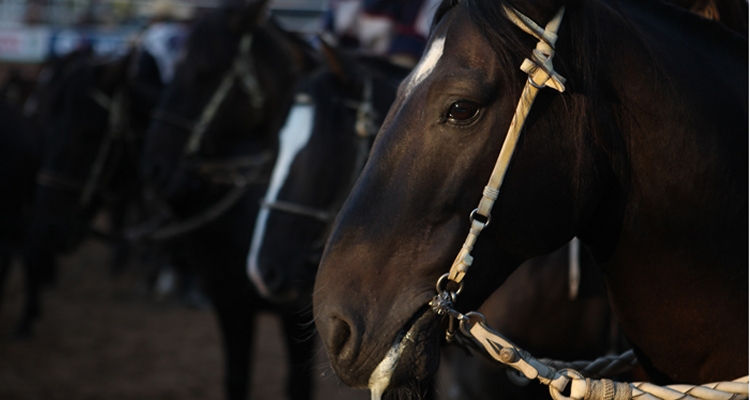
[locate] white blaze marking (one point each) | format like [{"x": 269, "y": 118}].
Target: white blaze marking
[
  {"x": 426, "y": 64},
  {"x": 294, "y": 137}
]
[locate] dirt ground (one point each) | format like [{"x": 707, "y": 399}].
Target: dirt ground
[{"x": 102, "y": 338}]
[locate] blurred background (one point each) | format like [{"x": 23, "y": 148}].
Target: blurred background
[
  {"x": 31, "y": 31},
  {"x": 137, "y": 331}
]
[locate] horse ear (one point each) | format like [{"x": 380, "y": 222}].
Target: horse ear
[
  {"x": 334, "y": 60},
  {"x": 251, "y": 15}
]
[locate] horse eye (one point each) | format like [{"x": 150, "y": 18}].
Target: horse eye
[{"x": 463, "y": 110}]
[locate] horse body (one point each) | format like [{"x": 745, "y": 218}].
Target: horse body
[
  {"x": 75, "y": 173},
  {"x": 685, "y": 223},
  {"x": 642, "y": 160}
]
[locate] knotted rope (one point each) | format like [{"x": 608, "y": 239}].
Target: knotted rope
[{"x": 476, "y": 333}]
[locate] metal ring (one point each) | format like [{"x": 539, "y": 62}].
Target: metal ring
[
  {"x": 442, "y": 281},
  {"x": 473, "y": 217},
  {"x": 534, "y": 84}
]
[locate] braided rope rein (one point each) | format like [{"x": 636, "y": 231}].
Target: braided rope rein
[
  {"x": 472, "y": 327},
  {"x": 583, "y": 377}
]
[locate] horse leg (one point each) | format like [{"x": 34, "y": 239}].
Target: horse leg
[
  {"x": 300, "y": 343},
  {"x": 32, "y": 292},
  {"x": 238, "y": 331},
  {"x": 233, "y": 303},
  {"x": 5, "y": 264},
  {"x": 38, "y": 267},
  {"x": 121, "y": 248}
]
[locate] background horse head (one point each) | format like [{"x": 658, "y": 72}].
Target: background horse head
[
  {"x": 229, "y": 97},
  {"x": 642, "y": 157},
  {"x": 348, "y": 101}
]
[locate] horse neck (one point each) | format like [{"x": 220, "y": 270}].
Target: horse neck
[{"x": 679, "y": 101}]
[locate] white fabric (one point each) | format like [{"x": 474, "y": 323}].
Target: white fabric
[
  {"x": 424, "y": 18},
  {"x": 164, "y": 41}
]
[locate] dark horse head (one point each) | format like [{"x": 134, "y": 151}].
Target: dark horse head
[
  {"x": 227, "y": 101},
  {"x": 643, "y": 156},
  {"x": 323, "y": 149}
]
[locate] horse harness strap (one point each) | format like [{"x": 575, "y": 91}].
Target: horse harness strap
[
  {"x": 224, "y": 172},
  {"x": 541, "y": 74},
  {"x": 117, "y": 129},
  {"x": 365, "y": 129},
  {"x": 298, "y": 209},
  {"x": 242, "y": 69},
  {"x": 476, "y": 333},
  {"x": 238, "y": 172}
]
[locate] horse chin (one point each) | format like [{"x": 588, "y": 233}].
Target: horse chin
[{"x": 413, "y": 358}]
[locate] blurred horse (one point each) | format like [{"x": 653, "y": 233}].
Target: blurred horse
[
  {"x": 348, "y": 101},
  {"x": 208, "y": 157},
  {"x": 19, "y": 159},
  {"x": 91, "y": 120}
]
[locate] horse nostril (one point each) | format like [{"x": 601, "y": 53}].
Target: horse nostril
[{"x": 340, "y": 341}]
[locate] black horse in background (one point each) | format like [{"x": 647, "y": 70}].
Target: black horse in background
[
  {"x": 19, "y": 159},
  {"x": 349, "y": 98},
  {"x": 91, "y": 118},
  {"x": 208, "y": 157}
]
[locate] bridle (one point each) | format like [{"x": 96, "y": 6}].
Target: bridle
[
  {"x": 237, "y": 172},
  {"x": 541, "y": 74},
  {"x": 98, "y": 176},
  {"x": 242, "y": 71},
  {"x": 365, "y": 129},
  {"x": 226, "y": 171}
]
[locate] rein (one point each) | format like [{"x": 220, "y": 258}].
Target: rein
[{"x": 473, "y": 331}]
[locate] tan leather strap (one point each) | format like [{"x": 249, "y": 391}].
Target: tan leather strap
[{"x": 541, "y": 74}]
